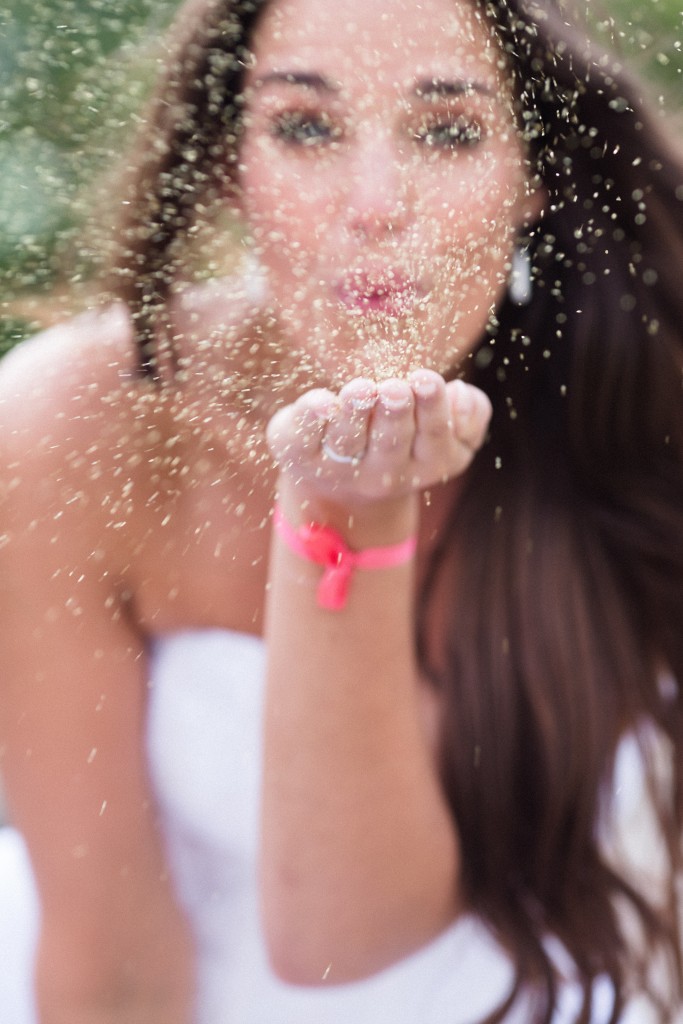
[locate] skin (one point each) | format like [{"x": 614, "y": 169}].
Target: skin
[
  {"x": 395, "y": 164},
  {"x": 129, "y": 512}
]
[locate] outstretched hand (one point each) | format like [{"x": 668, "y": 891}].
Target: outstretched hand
[{"x": 377, "y": 441}]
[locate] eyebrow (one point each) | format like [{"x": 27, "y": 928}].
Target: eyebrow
[
  {"x": 309, "y": 79},
  {"x": 426, "y": 88},
  {"x": 435, "y": 88}
]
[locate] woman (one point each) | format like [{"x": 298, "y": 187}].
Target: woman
[{"x": 418, "y": 816}]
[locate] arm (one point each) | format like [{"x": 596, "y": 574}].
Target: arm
[
  {"x": 360, "y": 858},
  {"x": 114, "y": 947}
]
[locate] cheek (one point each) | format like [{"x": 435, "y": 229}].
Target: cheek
[
  {"x": 286, "y": 227},
  {"x": 477, "y": 224},
  {"x": 289, "y": 201}
]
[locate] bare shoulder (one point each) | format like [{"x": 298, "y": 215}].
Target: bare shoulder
[
  {"x": 104, "y": 475},
  {"x": 75, "y": 362},
  {"x": 73, "y": 373},
  {"x": 68, "y": 401}
]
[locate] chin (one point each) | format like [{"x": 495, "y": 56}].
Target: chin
[{"x": 330, "y": 351}]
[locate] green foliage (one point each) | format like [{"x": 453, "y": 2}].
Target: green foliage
[
  {"x": 650, "y": 36},
  {"x": 71, "y": 74}
]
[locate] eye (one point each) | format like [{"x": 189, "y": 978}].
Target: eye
[
  {"x": 451, "y": 133},
  {"x": 300, "y": 128}
]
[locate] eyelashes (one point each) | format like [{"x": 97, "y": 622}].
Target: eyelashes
[
  {"x": 316, "y": 129},
  {"x": 450, "y": 134},
  {"x": 299, "y": 128}
]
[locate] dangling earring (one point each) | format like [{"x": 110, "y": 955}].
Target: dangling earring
[
  {"x": 519, "y": 287},
  {"x": 254, "y": 278}
]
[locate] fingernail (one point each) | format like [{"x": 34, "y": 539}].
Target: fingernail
[
  {"x": 395, "y": 400},
  {"x": 360, "y": 394},
  {"x": 424, "y": 385},
  {"x": 362, "y": 403},
  {"x": 463, "y": 404}
]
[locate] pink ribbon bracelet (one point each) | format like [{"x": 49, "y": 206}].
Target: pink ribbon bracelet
[{"x": 324, "y": 546}]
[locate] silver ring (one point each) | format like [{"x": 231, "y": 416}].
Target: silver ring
[{"x": 334, "y": 456}]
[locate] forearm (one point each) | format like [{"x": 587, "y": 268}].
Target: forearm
[
  {"x": 114, "y": 1006},
  {"x": 357, "y": 840},
  {"x": 127, "y": 1011},
  {"x": 93, "y": 984},
  {"x": 360, "y": 859}
]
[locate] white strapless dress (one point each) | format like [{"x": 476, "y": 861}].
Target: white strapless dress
[{"x": 204, "y": 746}]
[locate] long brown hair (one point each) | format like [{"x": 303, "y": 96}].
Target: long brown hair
[
  {"x": 562, "y": 563},
  {"x": 563, "y": 560}
]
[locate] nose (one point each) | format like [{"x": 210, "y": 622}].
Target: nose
[{"x": 379, "y": 187}]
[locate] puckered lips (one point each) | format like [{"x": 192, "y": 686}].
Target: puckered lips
[{"x": 384, "y": 292}]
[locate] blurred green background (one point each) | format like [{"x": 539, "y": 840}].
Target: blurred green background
[
  {"x": 74, "y": 72},
  {"x": 72, "y": 75}
]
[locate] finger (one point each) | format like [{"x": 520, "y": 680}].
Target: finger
[
  {"x": 297, "y": 430},
  {"x": 392, "y": 427},
  {"x": 470, "y": 413},
  {"x": 346, "y": 433},
  {"x": 432, "y": 414}
]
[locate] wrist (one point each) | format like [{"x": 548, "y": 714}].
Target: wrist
[
  {"x": 362, "y": 524},
  {"x": 324, "y": 546}
]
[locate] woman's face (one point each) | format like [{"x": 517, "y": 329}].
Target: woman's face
[{"x": 383, "y": 179}]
